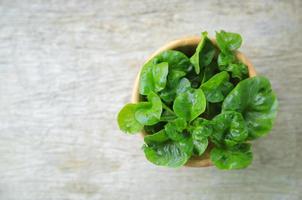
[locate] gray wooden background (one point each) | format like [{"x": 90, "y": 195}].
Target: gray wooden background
[{"x": 67, "y": 67}]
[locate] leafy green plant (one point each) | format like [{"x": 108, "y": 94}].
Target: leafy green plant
[{"x": 206, "y": 102}]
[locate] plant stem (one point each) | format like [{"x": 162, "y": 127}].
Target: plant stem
[
  {"x": 168, "y": 109},
  {"x": 208, "y": 109}
]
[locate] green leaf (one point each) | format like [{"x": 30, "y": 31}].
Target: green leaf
[
  {"x": 229, "y": 63},
  {"x": 169, "y": 93},
  {"x": 238, "y": 70},
  {"x": 174, "y": 77},
  {"x": 217, "y": 87},
  {"x": 200, "y": 130},
  {"x": 148, "y": 113},
  {"x": 190, "y": 104},
  {"x": 176, "y": 59},
  {"x": 153, "y": 77},
  {"x": 158, "y": 137},
  {"x": 237, "y": 157},
  {"x": 225, "y": 59},
  {"x": 126, "y": 119},
  {"x": 170, "y": 153},
  {"x": 167, "y": 114},
  {"x": 200, "y": 145},
  {"x": 228, "y": 41},
  {"x": 160, "y": 72},
  {"x": 229, "y": 129},
  {"x": 255, "y": 100},
  {"x": 204, "y": 54},
  {"x": 175, "y": 128},
  {"x": 183, "y": 85}
]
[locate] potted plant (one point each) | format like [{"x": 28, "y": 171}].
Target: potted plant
[{"x": 198, "y": 101}]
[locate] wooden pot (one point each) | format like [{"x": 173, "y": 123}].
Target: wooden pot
[{"x": 188, "y": 45}]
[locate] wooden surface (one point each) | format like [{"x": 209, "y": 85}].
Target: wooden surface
[{"x": 67, "y": 67}]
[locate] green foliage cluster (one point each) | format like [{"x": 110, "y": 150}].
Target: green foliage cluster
[{"x": 190, "y": 102}]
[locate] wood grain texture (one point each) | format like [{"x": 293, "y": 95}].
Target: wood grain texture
[{"x": 66, "y": 68}]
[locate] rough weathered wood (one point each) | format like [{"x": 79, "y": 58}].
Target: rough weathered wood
[{"x": 67, "y": 67}]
